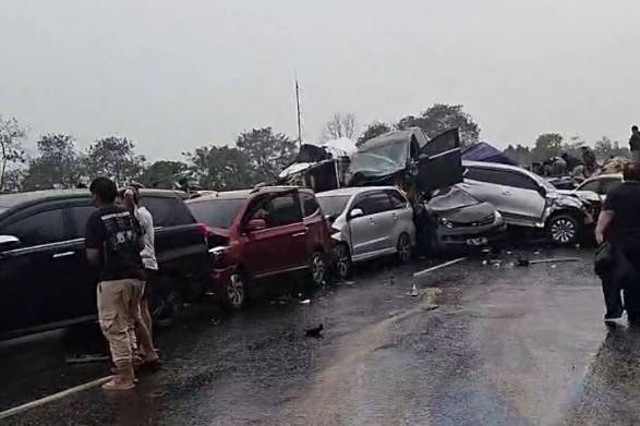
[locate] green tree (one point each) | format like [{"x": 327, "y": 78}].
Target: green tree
[
  {"x": 605, "y": 148},
  {"x": 441, "y": 117},
  {"x": 114, "y": 157},
  {"x": 268, "y": 153},
  {"x": 374, "y": 129},
  {"x": 163, "y": 174},
  {"x": 56, "y": 165},
  {"x": 221, "y": 168},
  {"x": 11, "y": 152},
  {"x": 547, "y": 145}
]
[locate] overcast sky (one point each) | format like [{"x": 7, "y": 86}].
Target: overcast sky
[{"x": 174, "y": 75}]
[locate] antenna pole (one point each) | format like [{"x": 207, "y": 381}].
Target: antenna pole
[{"x": 298, "y": 112}]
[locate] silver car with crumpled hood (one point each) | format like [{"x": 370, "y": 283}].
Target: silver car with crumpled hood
[{"x": 368, "y": 222}]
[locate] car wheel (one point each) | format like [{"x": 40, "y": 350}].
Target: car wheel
[
  {"x": 318, "y": 269},
  {"x": 404, "y": 248},
  {"x": 167, "y": 300},
  {"x": 236, "y": 291},
  {"x": 563, "y": 229},
  {"x": 342, "y": 261}
]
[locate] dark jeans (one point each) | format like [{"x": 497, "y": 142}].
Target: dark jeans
[{"x": 612, "y": 297}]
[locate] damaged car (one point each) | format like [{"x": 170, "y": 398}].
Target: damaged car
[
  {"x": 408, "y": 160},
  {"x": 458, "y": 221},
  {"x": 526, "y": 199}
]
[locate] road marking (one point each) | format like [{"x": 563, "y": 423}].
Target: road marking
[
  {"x": 47, "y": 399},
  {"x": 435, "y": 268}
]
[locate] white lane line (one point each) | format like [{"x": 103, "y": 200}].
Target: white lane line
[
  {"x": 435, "y": 268},
  {"x": 33, "y": 404}
]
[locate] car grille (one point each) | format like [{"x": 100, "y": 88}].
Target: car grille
[{"x": 482, "y": 222}]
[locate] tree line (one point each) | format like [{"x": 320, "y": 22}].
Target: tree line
[{"x": 256, "y": 156}]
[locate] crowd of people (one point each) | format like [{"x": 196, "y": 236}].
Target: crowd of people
[{"x": 618, "y": 238}]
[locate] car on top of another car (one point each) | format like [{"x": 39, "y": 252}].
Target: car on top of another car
[{"x": 255, "y": 235}]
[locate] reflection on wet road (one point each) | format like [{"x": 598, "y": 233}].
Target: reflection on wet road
[{"x": 479, "y": 345}]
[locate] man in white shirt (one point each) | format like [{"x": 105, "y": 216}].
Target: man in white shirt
[{"x": 131, "y": 201}]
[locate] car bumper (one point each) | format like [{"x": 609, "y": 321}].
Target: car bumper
[
  {"x": 219, "y": 277},
  {"x": 471, "y": 237}
]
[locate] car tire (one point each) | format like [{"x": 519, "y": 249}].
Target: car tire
[
  {"x": 167, "y": 300},
  {"x": 318, "y": 270},
  {"x": 235, "y": 292},
  {"x": 563, "y": 229},
  {"x": 403, "y": 248},
  {"x": 343, "y": 263}
]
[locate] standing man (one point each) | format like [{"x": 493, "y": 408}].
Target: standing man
[
  {"x": 634, "y": 144},
  {"x": 113, "y": 243},
  {"x": 619, "y": 224},
  {"x": 131, "y": 201},
  {"x": 589, "y": 160}
]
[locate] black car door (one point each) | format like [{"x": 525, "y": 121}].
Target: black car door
[
  {"x": 32, "y": 279},
  {"x": 83, "y": 277},
  {"x": 440, "y": 163}
]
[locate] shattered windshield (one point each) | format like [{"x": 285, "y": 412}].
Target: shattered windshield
[
  {"x": 216, "y": 213},
  {"x": 381, "y": 159}
]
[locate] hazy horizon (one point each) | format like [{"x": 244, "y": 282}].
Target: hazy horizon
[{"x": 173, "y": 78}]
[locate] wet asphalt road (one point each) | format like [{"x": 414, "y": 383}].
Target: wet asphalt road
[{"x": 480, "y": 345}]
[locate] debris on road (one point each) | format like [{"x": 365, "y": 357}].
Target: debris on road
[
  {"x": 435, "y": 268},
  {"x": 523, "y": 262},
  {"x": 315, "y": 332},
  {"x": 414, "y": 291}
]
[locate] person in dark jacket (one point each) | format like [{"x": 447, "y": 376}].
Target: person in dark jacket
[
  {"x": 619, "y": 225},
  {"x": 634, "y": 143}
]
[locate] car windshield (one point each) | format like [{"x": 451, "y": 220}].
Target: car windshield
[
  {"x": 217, "y": 212},
  {"x": 333, "y": 205},
  {"x": 383, "y": 159}
]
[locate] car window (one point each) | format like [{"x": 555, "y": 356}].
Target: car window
[
  {"x": 216, "y": 212},
  {"x": 79, "y": 217},
  {"x": 397, "y": 200},
  {"x": 40, "y": 228},
  {"x": 334, "y": 205},
  {"x": 592, "y": 185},
  {"x": 167, "y": 211},
  {"x": 285, "y": 210},
  {"x": 501, "y": 177},
  {"x": 608, "y": 185},
  {"x": 373, "y": 203},
  {"x": 309, "y": 204}
]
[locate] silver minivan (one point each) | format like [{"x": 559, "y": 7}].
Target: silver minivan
[{"x": 368, "y": 222}]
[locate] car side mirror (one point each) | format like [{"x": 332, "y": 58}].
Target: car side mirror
[
  {"x": 256, "y": 225},
  {"x": 356, "y": 213},
  {"x": 8, "y": 242}
]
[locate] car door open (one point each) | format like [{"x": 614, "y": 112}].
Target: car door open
[{"x": 440, "y": 162}]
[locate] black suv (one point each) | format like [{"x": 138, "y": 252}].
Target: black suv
[{"x": 45, "y": 280}]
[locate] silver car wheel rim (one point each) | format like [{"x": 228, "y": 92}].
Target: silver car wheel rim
[
  {"x": 235, "y": 290},
  {"x": 317, "y": 269},
  {"x": 342, "y": 261},
  {"x": 404, "y": 249},
  {"x": 563, "y": 230}
]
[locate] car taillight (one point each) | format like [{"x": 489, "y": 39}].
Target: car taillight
[{"x": 204, "y": 232}]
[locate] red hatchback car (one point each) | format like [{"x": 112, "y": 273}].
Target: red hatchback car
[{"x": 263, "y": 233}]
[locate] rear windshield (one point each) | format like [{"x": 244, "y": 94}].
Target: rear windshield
[
  {"x": 333, "y": 205},
  {"x": 216, "y": 213}
]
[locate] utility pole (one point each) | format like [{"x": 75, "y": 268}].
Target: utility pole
[{"x": 298, "y": 112}]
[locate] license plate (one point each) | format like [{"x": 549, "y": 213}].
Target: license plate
[{"x": 477, "y": 241}]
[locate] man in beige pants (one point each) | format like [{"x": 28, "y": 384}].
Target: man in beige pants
[{"x": 113, "y": 243}]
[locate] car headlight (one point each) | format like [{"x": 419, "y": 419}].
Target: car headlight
[
  {"x": 497, "y": 217},
  {"x": 218, "y": 255},
  {"x": 445, "y": 222}
]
